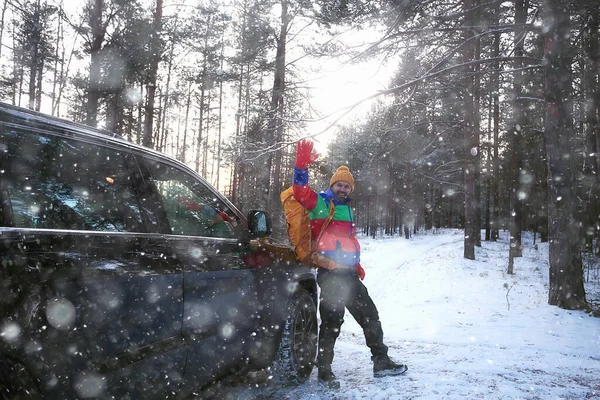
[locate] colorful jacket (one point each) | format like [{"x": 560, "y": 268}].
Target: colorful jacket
[{"x": 338, "y": 241}]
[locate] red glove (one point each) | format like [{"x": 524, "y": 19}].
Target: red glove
[
  {"x": 360, "y": 272},
  {"x": 224, "y": 216},
  {"x": 304, "y": 154},
  {"x": 190, "y": 205}
]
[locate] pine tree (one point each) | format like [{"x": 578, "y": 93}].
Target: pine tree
[
  {"x": 566, "y": 269},
  {"x": 34, "y": 39}
]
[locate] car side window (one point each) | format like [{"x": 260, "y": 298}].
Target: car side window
[
  {"x": 191, "y": 207},
  {"x": 57, "y": 183}
]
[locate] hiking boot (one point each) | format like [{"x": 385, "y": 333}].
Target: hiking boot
[
  {"x": 384, "y": 366},
  {"x": 327, "y": 378}
]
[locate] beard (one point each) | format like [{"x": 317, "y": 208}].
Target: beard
[{"x": 341, "y": 196}]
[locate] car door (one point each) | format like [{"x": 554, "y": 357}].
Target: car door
[
  {"x": 219, "y": 287},
  {"x": 107, "y": 294}
]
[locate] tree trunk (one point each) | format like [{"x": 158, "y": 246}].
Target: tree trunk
[
  {"x": 39, "y": 85},
  {"x": 516, "y": 133},
  {"x": 468, "y": 137},
  {"x": 220, "y": 122},
  {"x": 4, "y": 7},
  {"x": 476, "y": 139},
  {"x": 566, "y": 269},
  {"x": 408, "y": 204},
  {"x": 95, "y": 65},
  {"x": 140, "y": 113},
  {"x": 489, "y": 165},
  {"x": 166, "y": 101},
  {"x": 63, "y": 75},
  {"x": 591, "y": 181},
  {"x": 57, "y": 60},
  {"x": 237, "y": 170},
  {"x": 177, "y": 138},
  {"x": 206, "y": 138},
  {"x": 203, "y": 94},
  {"x": 15, "y": 67},
  {"x": 114, "y": 110},
  {"x": 200, "y": 136},
  {"x": 495, "y": 200},
  {"x": 274, "y": 126},
  {"x": 155, "y": 52},
  {"x": 35, "y": 57},
  {"x": 182, "y": 156}
]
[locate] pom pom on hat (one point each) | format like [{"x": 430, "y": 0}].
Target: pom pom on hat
[{"x": 342, "y": 174}]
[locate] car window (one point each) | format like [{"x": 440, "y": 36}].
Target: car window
[
  {"x": 57, "y": 183},
  {"x": 191, "y": 207}
]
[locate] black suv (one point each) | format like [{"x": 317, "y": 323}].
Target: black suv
[{"x": 125, "y": 275}]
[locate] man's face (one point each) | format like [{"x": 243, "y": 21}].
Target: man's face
[{"x": 341, "y": 190}]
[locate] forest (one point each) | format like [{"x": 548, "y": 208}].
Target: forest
[{"x": 489, "y": 121}]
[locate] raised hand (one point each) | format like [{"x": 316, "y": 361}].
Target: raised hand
[{"x": 304, "y": 154}]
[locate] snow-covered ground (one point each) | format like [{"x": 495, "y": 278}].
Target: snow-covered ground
[{"x": 466, "y": 329}]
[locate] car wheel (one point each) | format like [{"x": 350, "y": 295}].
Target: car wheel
[{"x": 297, "y": 350}]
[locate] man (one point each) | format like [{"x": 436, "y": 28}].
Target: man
[{"x": 338, "y": 259}]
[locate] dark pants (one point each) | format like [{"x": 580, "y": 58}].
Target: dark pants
[{"x": 340, "y": 289}]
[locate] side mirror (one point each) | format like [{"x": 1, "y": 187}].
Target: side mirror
[{"x": 259, "y": 223}]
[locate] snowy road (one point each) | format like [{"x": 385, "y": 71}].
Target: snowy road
[{"x": 465, "y": 329}]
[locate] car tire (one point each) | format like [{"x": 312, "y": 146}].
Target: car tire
[{"x": 297, "y": 350}]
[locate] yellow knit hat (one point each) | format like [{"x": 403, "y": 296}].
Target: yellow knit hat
[{"x": 342, "y": 174}]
